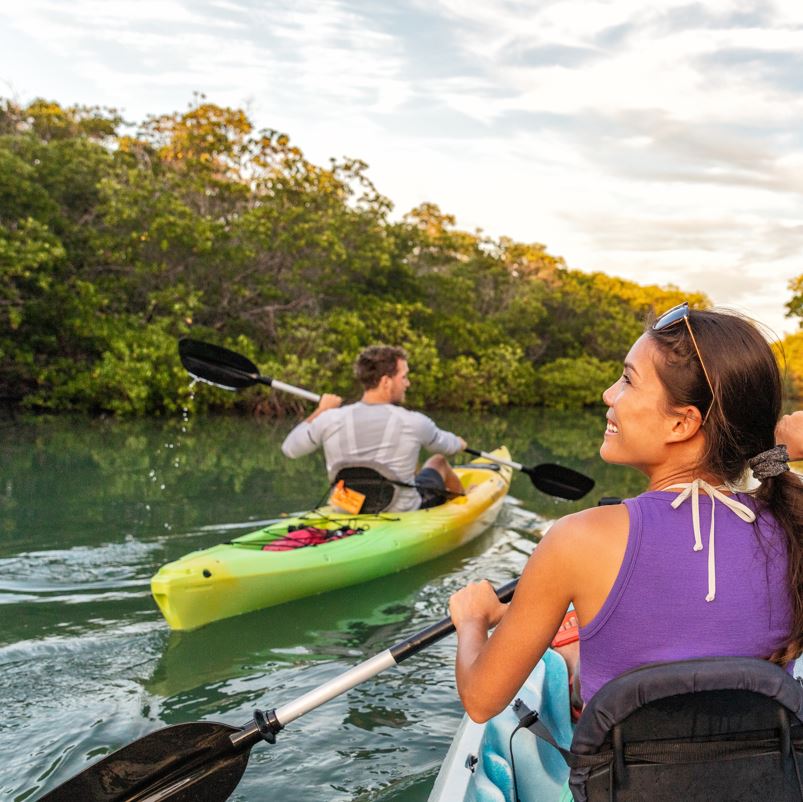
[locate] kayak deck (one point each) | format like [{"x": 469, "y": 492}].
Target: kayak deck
[{"x": 239, "y": 577}]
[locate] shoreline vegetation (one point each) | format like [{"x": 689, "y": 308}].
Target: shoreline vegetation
[{"x": 115, "y": 240}]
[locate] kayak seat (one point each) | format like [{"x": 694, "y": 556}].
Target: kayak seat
[
  {"x": 725, "y": 729},
  {"x": 380, "y": 491}
]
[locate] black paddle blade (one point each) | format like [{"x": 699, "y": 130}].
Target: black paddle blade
[
  {"x": 184, "y": 763},
  {"x": 556, "y": 480},
  {"x": 217, "y": 365}
]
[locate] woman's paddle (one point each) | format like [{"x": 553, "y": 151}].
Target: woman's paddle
[
  {"x": 232, "y": 371},
  {"x": 204, "y": 761}
]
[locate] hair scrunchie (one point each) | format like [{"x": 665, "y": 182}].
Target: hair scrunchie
[{"x": 770, "y": 463}]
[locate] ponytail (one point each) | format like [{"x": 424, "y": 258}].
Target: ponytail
[{"x": 782, "y": 496}]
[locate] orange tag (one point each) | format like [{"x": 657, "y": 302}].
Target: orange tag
[{"x": 346, "y": 499}]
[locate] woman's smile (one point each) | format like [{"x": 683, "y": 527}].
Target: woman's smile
[{"x": 636, "y": 402}]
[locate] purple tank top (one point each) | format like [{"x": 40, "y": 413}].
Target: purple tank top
[{"x": 656, "y": 609}]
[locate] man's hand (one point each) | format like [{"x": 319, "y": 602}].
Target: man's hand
[
  {"x": 790, "y": 432},
  {"x": 328, "y": 401}
]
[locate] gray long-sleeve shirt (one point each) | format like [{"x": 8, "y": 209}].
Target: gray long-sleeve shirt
[{"x": 382, "y": 434}]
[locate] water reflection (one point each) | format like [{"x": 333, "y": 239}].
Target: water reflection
[{"x": 90, "y": 510}]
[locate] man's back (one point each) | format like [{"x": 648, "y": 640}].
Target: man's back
[{"x": 383, "y": 435}]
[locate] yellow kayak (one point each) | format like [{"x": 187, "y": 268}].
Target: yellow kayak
[{"x": 249, "y": 574}]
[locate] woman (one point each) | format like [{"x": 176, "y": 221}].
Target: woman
[{"x": 689, "y": 568}]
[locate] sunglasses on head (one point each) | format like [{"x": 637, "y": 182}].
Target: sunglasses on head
[{"x": 675, "y": 315}]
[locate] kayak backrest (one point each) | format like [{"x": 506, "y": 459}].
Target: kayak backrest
[
  {"x": 380, "y": 491},
  {"x": 713, "y": 729}
]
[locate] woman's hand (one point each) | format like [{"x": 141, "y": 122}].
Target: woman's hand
[{"x": 476, "y": 602}]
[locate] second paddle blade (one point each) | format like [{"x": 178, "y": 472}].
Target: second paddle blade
[
  {"x": 557, "y": 480},
  {"x": 185, "y": 763},
  {"x": 217, "y": 365}
]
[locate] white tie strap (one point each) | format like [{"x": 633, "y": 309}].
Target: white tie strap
[{"x": 693, "y": 489}]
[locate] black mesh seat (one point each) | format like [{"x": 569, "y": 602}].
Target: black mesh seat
[{"x": 379, "y": 491}]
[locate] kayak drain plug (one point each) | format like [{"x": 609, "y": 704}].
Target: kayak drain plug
[{"x": 207, "y": 573}]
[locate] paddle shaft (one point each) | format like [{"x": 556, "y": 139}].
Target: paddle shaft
[
  {"x": 275, "y": 384},
  {"x": 281, "y": 716},
  {"x": 289, "y": 388},
  {"x": 517, "y": 466}
]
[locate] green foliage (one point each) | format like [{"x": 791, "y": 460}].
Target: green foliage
[
  {"x": 568, "y": 382},
  {"x": 496, "y": 376},
  {"x": 113, "y": 243},
  {"x": 790, "y": 359},
  {"x": 790, "y": 350},
  {"x": 795, "y": 306},
  {"x": 135, "y": 374}
]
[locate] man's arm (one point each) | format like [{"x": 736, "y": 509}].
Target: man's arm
[
  {"x": 328, "y": 401},
  {"x": 790, "y": 432},
  {"x": 438, "y": 441},
  {"x": 304, "y": 438}
]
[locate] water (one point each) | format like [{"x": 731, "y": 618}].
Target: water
[{"x": 89, "y": 510}]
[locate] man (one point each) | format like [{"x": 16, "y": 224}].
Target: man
[{"x": 377, "y": 432}]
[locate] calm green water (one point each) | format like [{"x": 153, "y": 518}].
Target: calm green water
[{"x": 90, "y": 509}]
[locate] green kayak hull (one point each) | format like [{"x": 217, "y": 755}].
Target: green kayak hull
[{"x": 239, "y": 577}]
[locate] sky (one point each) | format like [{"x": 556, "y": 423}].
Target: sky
[{"x": 661, "y": 142}]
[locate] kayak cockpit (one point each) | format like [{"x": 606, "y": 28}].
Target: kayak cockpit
[{"x": 709, "y": 729}]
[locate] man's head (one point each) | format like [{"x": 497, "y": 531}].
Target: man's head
[{"x": 383, "y": 368}]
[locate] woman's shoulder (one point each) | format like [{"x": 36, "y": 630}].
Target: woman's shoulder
[
  {"x": 586, "y": 550},
  {"x": 591, "y": 530}
]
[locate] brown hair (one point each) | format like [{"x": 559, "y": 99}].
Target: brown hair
[
  {"x": 377, "y": 361},
  {"x": 741, "y": 424}
]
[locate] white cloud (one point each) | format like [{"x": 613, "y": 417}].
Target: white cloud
[{"x": 659, "y": 142}]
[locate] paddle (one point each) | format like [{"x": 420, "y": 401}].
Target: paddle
[
  {"x": 554, "y": 480},
  {"x": 232, "y": 371},
  {"x": 204, "y": 761}
]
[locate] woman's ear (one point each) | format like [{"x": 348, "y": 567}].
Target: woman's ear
[{"x": 686, "y": 422}]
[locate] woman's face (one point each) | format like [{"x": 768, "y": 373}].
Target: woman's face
[{"x": 637, "y": 419}]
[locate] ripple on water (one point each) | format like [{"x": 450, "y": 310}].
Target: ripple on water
[
  {"x": 104, "y": 566},
  {"x": 117, "y": 673},
  {"x": 89, "y": 699}
]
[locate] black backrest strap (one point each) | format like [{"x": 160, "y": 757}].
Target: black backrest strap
[{"x": 532, "y": 721}]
